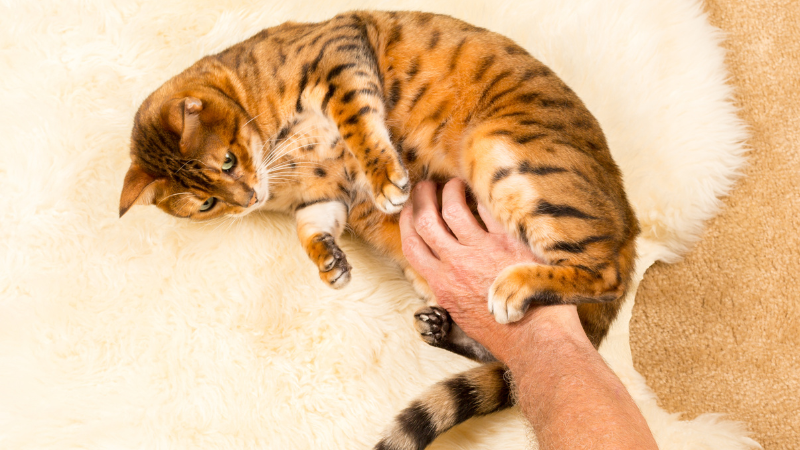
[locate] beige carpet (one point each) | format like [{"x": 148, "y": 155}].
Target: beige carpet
[{"x": 719, "y": 331}]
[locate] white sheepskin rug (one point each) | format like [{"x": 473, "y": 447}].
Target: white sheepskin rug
[{"x": 153, "y": 332}]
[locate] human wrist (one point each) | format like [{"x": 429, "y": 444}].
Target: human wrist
[{"x": 549, "y": 327}]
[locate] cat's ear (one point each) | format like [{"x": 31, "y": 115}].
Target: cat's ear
[
  {"x": 182, "y": 117},
  {"x": 139, "y": 188}
]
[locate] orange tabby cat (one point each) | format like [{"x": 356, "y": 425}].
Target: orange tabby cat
[{"x": 335, "y": 121}]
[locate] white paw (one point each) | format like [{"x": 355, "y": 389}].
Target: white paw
[
  {"x": 339, "y": 279},
  {"x": 506, "y": 302}
]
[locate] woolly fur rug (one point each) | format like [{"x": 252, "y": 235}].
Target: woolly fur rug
[{"x": 152, "y": 332}]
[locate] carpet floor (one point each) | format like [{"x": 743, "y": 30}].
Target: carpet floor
[{"x": 720, "y": 331}]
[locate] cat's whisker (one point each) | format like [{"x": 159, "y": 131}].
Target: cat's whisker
[
  {"x": 187, "y": 162},
  {"x": 173, "y": 195},
  {"x": 231, "y": 223},
  {"x": 287, "y": 153},
  {"x": 289, "y": 168},
  {"x": 282, "y": 150},
  {"x": 183, "y": 202},
  {"x": 254, "y": 118},
  {"x": 206, "y": 223},
  {"x": 277, "y": 154},
  {"x": 293, "y": 164},
  {"x": 290, "y": 139},
  {"x": 222, "y": 224}
]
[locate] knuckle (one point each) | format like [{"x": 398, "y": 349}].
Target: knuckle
[
  {"x": 426, "y": 221},
  {"x": 410, "y": 244},
  {"x": 451, "y": 212}
]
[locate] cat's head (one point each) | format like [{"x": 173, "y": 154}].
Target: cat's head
[{"x": 195, "y": 153}]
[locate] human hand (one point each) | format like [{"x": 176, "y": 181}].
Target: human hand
[{"x": 460, "y": 259}]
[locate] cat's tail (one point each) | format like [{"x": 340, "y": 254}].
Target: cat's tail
[{"x": 476, "y": 392}]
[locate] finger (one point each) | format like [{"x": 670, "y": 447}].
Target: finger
[
  {"x": 415, "y": 249},
  {"x": 492, "y": 225},
  {"x": 457, "y": 214},
  {"x": 428, "y": 222}
]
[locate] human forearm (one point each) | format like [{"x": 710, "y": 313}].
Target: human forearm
[{"x": 570, "y": 396}]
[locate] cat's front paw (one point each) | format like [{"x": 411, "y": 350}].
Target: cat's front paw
[
  {"x": 331, "y": 261},
  {"x": 433, "y": 324},
  {"x": 390, "y": 186}
]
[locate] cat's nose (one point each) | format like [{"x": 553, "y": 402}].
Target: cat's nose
[{"x": 253, "y": 199}]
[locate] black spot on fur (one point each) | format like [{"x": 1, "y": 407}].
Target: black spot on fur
[
  {"x": 283, "y": 133},
  {"x": 500, "y": 174},
  {"x": 492, "y": 84},
  {"x": 525, "y": 138},
  {"x": 352, "y": 120},
  {"x": 523, "y": 233},
  {"x": 569, "y": 247},
  {"x": 413, "y": 69},
  {"x": 347, "y": 47},
  {"x": 439, "y": 113},
  {"x": 394, "y": 95},
  {"x": 515, "y": 49},
  {"x": 556, "y": 103},
  {"x": 303, "y": 84},
  {"x": 328, "y": 95},
  {"x": 311, "y": 202},
  {"x": 337, "y": 70},
  {"x": 418, "y": 96},
  {"x": 544, "y": 297},
  {"x": 503, "y": 93},
  {"x": 549, "y": 209},
  {"x": 411, "y": 154},
  {"x": 320, "y": 172},
  {"x": 540, "y": 71},
  {"x": 485, "y": 64},
  {"x": 526, "y": 167},
  {"x": 437, "y": 133},
  {"x": 456, "y": 55},
  {"x": 580, "y": 246},
  {"x": 395, "y": 35},
  {"x": 528, "y": 97},
  {"x": 434, "y": 39}
]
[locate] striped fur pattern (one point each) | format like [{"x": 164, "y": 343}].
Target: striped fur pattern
[
  {"x": 477, "y": 392},
  {"x": 335, "y": 121}
]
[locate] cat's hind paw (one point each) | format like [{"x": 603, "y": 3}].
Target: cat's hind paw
[
  {"x": 513, "y": 291},
  {"x": 433, "y": 324}
]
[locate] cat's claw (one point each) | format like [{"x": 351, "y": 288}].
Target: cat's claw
[
  {"x": 333, "y": 266},
  {"x": 392, "y": 190},
  {"x": 337, "y": 272},
  {"x": 433, "y": 324}
]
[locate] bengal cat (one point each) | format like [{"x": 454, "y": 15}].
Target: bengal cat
[{"x": 335, "y": 121}]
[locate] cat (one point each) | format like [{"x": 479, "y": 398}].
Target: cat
[{"x": 335, "y": 122}]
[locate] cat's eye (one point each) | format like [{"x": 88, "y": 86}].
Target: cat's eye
[
  {"x": 208, "y": 204},
  {"x": 229, "y": 163}
]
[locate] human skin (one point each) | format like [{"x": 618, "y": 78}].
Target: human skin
[{"x": 567, "y": 392}]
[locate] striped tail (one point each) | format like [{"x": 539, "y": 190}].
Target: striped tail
[{"x": 476, "y": 392}]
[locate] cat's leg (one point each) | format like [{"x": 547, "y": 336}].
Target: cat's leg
[
  {"x": 319, "y": 225},
  {"x": 566, "y": 206},
  {"x": 437, "y": 329},
  {"x": 354, "y": 103}
]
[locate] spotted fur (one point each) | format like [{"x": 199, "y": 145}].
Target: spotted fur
[{"x": 335, "y": 121}]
